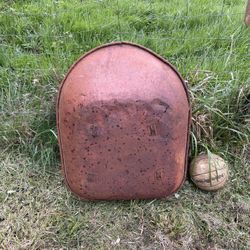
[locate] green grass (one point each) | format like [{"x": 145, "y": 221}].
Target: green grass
[{"x": 210, "y": 46}]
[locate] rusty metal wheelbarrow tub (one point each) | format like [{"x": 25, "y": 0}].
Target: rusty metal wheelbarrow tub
[{"x": 123, "y": 120}]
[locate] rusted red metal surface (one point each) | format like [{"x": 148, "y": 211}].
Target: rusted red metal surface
[{"x": 123, "y": 118}]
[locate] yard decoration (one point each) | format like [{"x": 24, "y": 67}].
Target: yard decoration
[
  {"x": 209, "y": 172},
  {"x": 123, "y": 120}
]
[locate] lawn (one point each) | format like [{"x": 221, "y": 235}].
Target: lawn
[{"x": 206, "y": 41}]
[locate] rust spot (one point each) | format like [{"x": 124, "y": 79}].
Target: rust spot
[
  {"x": 152, "y": 130},
  {"x": 159, "y": 174},
  {"x": 93, "y": 130},
  {"x": 91, "y": 177}
]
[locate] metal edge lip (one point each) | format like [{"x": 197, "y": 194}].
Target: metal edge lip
[{"x": 63, "y": 167}]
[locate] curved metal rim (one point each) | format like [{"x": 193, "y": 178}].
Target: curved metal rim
[{"x": 154, "y": 54}]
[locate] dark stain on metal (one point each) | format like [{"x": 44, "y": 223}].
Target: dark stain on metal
[{"x": 123, "y": 120}]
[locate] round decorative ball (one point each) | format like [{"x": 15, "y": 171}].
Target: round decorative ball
[{"x": 209, "y": 172}]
